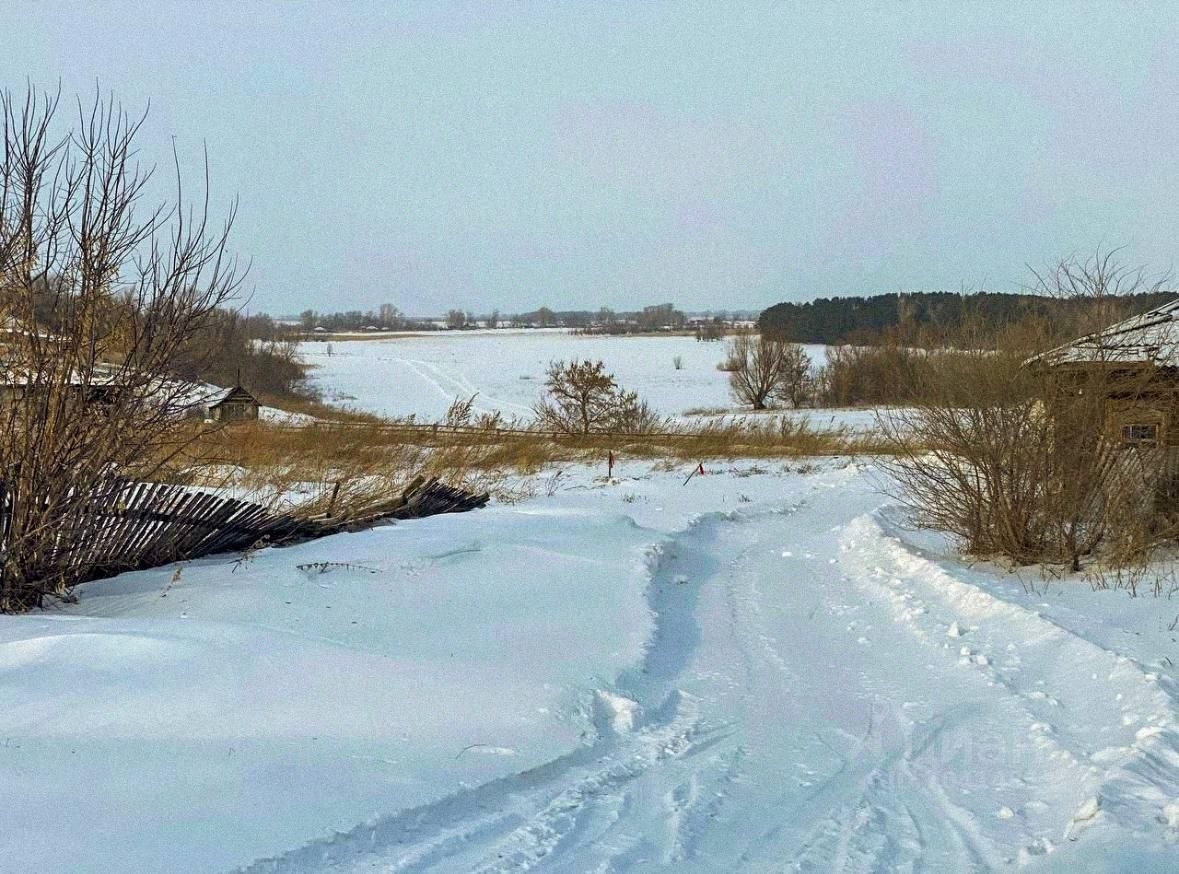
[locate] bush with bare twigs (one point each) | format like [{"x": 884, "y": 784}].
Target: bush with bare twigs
[
  {"x": 1015, "y": 456},
  {"x": 100, "y": 292},
  {"x": 583, "y": 399},
  {"x": 761, "y": 369}
]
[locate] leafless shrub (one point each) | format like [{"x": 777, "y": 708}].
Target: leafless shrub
[
  {"x": 583, "y": 399},
  {"x": 100, "y": 292},
  {"x": 890, "y": 374},
  {"x": 869, "y": 375},
  {"x": 1018, "y": 458},
  {"x": 761, "y": 368},
  {"x": 795, "y": 386}
]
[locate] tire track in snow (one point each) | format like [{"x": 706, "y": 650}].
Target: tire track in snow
[
  {"x": 863, "y": 784},
  {"x": 520, "y": 820},
  {"x": 876, "y": 817},
  {"x": 673, "y": 600},
  {"x": 707, "y": 783},
  {"x": 460, "y": 387},
  {"x": 1108, "y": 724}
]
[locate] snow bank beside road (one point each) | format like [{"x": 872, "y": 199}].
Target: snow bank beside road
[
  {"x": 1090, "y": 674},
  {"x": 244, "y": 709}
]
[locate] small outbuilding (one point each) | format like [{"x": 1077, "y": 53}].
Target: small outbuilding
[{"x": 233, "y": 405}]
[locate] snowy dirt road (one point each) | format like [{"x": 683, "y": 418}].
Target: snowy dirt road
[{"x": 818, "y": 695}]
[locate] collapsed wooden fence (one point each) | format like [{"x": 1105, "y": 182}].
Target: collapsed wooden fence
[{"x": 133, "y": 526}]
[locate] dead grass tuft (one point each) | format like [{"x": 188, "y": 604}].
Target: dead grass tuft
[{"x": 347, "y": 466}]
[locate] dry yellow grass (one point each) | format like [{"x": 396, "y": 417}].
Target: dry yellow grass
[
  {"x": 316, "y": 409},
  {"x": 345, "y": 466}
]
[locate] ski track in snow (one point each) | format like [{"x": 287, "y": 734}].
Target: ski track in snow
[
  {"x": 970, "y": 733},
  {"x": 454, "y": 387}
]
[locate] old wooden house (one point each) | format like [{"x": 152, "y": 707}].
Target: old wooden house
[
  {"x": 233, "y": 405},
  {"x": 1133, "y": 369}
]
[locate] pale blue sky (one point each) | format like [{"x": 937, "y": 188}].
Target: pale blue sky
[{"x": 723, "y": 155}]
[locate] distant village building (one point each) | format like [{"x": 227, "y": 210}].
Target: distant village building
[{"x": 233, "y": 405}]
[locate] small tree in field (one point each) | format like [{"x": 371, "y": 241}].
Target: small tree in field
[
  {"x": 759, "y": 368},
  {"x": 583, "y": 398}
]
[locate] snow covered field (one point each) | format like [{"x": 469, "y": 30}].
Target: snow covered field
[
  {"x": 421, "y": 375},
  {"x": 759, "y": 670}
]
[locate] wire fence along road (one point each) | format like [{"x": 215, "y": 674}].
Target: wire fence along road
[{"x": 410, "y": 431}]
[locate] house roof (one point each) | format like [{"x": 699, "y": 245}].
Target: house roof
[
  {"x": 100, "y": 374},
  {"x": 1151, "y": 337},
  {"x": 237, "y": 393}
]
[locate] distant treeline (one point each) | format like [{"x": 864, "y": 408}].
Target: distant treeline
[
  {"x": 929, "y": 318},
  {"x": 658, "y": 317}
]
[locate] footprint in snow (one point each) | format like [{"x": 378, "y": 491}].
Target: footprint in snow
[
  {"x": 1171, "y": 815},
  {"x": 1041, "y": 847},
  {"x": 1083, "y": 818}
]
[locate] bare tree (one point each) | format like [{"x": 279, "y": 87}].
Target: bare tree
[
  {"x": 99, "y": 292},
  {"x": 795, "y": 383},
  {"x": 456, "y": 319},
  {"x": 757, "y": 367},
  {"x": 584, "y": 398}
]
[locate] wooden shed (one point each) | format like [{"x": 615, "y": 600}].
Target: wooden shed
[{"x": 233, "y": 405}]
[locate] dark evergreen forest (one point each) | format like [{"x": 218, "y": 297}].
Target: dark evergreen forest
[{"x": 928, "y": 317}]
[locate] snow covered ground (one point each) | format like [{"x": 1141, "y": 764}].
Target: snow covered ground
[
  {"x": 761, "y": 669},
  {"x": 422, "y": 374}
]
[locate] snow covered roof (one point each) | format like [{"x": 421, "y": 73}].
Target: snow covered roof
[
  {"x": 100, "y": 374},
  {"x": 1152, "y": 337},
  {"x": 236, "y": 393}
]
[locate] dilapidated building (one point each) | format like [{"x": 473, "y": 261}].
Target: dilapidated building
[
  {"x": 233, "y": 405},
  {"x": 1134, "y": 365}
]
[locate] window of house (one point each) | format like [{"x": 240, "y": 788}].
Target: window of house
[{"x": 1141, "y": 433}]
